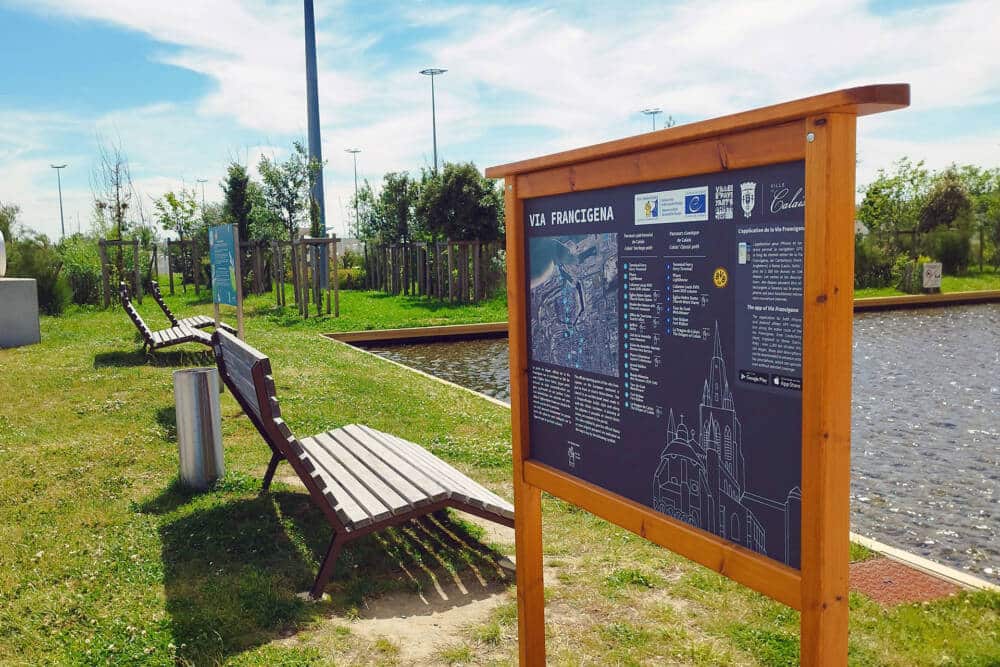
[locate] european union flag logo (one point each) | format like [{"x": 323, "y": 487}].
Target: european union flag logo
[{"x": 694, "y": 203}]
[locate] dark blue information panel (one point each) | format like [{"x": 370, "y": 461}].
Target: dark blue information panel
[{"x": 665, "y": 347}]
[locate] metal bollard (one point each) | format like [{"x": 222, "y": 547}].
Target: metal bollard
[{"x": 199, "y": 429}]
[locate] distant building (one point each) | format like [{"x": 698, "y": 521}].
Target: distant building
[{"x": 701, "y": 478}]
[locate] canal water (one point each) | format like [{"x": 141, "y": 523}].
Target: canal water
[{"x": 925, "y": 455}]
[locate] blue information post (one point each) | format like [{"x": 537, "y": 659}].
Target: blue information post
[{"x": 227, "y": 288}]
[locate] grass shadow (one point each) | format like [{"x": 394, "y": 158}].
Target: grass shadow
[
  {"x": 172, "y": 358},
  {"x": 166, "y": 417},
  {"x": 231, "y": 572},
  {"x": 233, "y": 566}
]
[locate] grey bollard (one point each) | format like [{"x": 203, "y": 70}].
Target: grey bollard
[{"x": 199, "y": 429}]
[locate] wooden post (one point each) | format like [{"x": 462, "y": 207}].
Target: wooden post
[
  {"x": 437, "y": 268},
  {"x": 136, "y": 269},
  {"x": 428, "y": 279},
  {"x": 336, "y": 283},
  {"x": 406, "y": 267},
  {"x": 105, "y": 279},
  {"x": 239, "y": 283},
  {"x": 828, "y": 300},
  {"x": 527, "y": 499},
  {"x": 154, "y": 266},
  {"x": 275, "y": 263},
  {"x": 196, "y": 266},
  {"x": 170, "y": 267},
  {"x": 476, "y": 252},
  {"x": 451, "y": 268}
]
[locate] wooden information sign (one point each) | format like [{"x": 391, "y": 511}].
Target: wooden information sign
[{"x": 681, "y": 309}]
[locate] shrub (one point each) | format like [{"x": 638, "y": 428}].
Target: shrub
[
  {"x": 350, "y": 259},
  {"x": 351, "y": 278},
  {"x": 953, "y": 248},
  {"x": 35, "y": 257},
  {"x": 908, "y": 274},
  {"x": 872, "y": 264},
  {"x": 82, "y": 268}
]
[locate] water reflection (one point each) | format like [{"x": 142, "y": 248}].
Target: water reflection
[{"x": 926, "y": 425}]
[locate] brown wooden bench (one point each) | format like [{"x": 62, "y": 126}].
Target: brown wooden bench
[
  {"x": 197, "y": 322},
  {"x": 362, "y": 479},
  {"x": 154, "y": 340}
]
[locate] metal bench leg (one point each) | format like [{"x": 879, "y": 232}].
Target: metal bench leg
[
  {"x": 326, "y": 569},
  {"x": 269, "y": 475}
]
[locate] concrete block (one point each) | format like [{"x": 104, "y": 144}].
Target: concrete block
[{"x": 19, "y": 312}]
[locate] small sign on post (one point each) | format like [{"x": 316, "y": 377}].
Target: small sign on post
[
  {"x": 932, "y": 276},
  {"x": 227, "y": 281}
]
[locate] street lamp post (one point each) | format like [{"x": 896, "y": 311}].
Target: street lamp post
[
  {"x": 652, "y": 113},
  {"x": 354, "y": 152},
  {"x": 202, "y": 181},
  {"x": 62, "y": 221},
  {"x": 433, "y": 72}
]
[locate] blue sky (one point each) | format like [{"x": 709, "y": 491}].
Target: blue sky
[{"x": 187, "y": 86}]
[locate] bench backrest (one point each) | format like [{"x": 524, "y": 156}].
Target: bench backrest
[
  {"x": 134, "y": 315},
  {"x": 154, "y": 288},
  {"x": 247, "y": 373}
]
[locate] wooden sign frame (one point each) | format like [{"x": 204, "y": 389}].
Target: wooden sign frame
[{"x": 820, "y": 131}]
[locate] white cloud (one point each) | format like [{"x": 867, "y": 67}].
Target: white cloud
[{"x": 569, "y": 74}]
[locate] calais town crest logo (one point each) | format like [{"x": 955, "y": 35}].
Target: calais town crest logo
[{"x": 748, "y": 197}]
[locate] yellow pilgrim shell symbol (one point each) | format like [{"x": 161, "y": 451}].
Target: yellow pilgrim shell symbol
[{"x": 720, "y": 277}]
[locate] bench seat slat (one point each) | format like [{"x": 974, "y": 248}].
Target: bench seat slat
[
  {"x": 460, "y": 484},
  {"x": 347, "y": 509},
  {"x": 327, "y": 466},
  {"x": 413, "y": 473},
  {"x": 378, "y": 487},
  {"x": 393, "y": 476},
  {"x": 196, "y": 322}
]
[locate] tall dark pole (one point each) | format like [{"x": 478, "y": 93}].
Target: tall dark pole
[
  {"x": 432, "y": 72},
  {"x": 312, "y": 109},
  {"x": 62, "y": 221},
  {"x": 354, "y": 152}
]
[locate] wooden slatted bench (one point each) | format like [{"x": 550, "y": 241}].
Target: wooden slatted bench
[
  {"x": 196, "y": 322},
  {"x": 362, "y": 479},
  {"x": 154, "y": 340}
]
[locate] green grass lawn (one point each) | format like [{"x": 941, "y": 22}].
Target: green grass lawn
[
  {"x": 987, "y": 279},
  {"x": 359, "y": 310},
  {"x": 106, "y": 560}
]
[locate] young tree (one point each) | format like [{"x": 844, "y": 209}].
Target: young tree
[
  {"x": 460, "y": 204},
  {"x": 396, "y": 203},
  {"x": 237, "y": 203},
  {"x": 947, "y": 203},
  {"x": 8, "y": 217},
  {"x": 893, "y": 201},
  {"x": 178, "y": 212},
  {"x": 369, "y": 223},
  {"x": 265, "y": 224},
  {"x": 286, "y": 191}
]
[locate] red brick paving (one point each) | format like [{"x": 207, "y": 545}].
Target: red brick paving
[{"x": 890, "y": 582}]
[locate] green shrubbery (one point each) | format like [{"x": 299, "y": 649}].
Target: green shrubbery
[
  {"x": 33, "y": 256},
  {"x": 908, "y": 273},
  {"x": 872, "y": 264},
  {"x": 353, "y": 278},
  {"x": 82, "y": 269},
  {"x": 953, "y": 248}
]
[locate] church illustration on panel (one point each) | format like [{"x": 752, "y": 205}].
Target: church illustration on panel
[{"x": 701, "y": 476}]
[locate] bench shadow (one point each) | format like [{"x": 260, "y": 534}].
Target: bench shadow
[
  {"x": 167, "y": 359},
  {"x": 166, "y": 417},
  {"x": 232, "y": 569}
]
